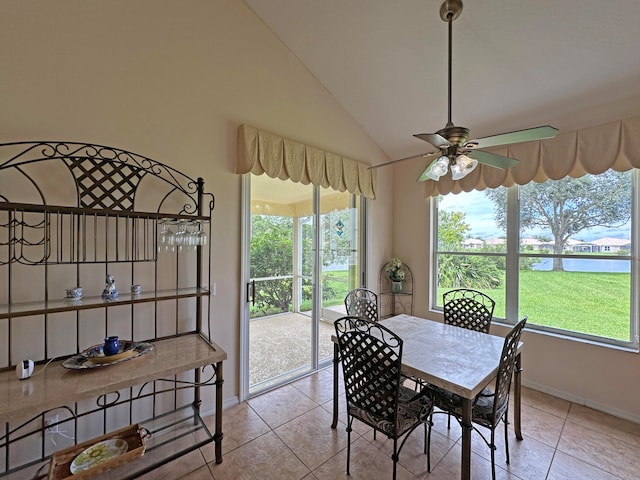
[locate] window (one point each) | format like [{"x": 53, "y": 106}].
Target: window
[{"x": 560, "y": 252}]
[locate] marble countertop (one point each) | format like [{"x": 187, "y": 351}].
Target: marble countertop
[
  {"x": 459, "y": 360},
  {"x": 56, "y": 385}
]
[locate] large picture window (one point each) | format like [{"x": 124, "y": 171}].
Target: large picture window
[{"x": 560, "y": 252}]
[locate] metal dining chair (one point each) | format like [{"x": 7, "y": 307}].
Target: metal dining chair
[
  {"x": 491, "y": 406},
  {"x": 469, "y": 309},
  {"x": 371, "y": 357},
  {"x": 363, "y": 303}
]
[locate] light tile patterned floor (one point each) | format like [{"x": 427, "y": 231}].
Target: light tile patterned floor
[{"x": 285, "y": 434}]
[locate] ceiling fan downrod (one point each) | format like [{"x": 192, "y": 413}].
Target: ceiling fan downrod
[{"x": 449, "y": 11}]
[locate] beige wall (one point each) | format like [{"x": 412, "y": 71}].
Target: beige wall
[
  {"x": 600, "y": 377},
  {"x": 172, "y": 81}
]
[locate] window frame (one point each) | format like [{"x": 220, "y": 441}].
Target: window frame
[{"x": 513, "y": 255}]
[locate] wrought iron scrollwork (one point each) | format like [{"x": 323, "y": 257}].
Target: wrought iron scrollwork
[
  {"x": 25, "y": 236},
  {"x": 105, "y": 178},
  {"x": 181, "y": 384},
  {"x": 90, "y": 164},
  {"x": 148, "y": 389},
  {"x": 38, "y": 422}
]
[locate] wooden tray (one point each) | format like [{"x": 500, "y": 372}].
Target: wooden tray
[{"x": 134, "y": 435}]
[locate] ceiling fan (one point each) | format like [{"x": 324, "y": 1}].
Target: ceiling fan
[{"x": 455, "y": 150}]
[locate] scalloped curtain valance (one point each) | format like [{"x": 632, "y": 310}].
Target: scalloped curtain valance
[
  {"x": 263, "y": 152},
  {"x": 614, "y": 145}
]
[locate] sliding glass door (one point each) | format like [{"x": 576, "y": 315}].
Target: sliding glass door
[{"x": 303, "y": 255}]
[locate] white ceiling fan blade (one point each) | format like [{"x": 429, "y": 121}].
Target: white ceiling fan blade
[
  {"x": 434, "y": 139},
  {"x": 535, "y": 133},
  {"x": 492, "y": 159},
  {"x": 402, "y": 160}
]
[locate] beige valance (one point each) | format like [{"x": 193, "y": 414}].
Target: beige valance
[
  {"x": 263, "y": 152},
  {"x": 614, "y": 145}
]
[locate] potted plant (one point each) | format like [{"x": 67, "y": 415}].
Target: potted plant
[{"x": 396, "y": 274}]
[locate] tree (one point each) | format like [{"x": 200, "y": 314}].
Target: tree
[
  {"x": 463, "y": 271},
  {"x": 452, "y": 230},
  {"x": 568, "y": 206},
  {"x": 272, "y": 253},
  {"x": 272, "y": 256}
]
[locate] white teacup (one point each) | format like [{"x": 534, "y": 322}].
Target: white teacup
[{"x": 136, "y": 289}]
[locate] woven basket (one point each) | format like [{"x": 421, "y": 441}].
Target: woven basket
[{"x": 60, "y": 466}]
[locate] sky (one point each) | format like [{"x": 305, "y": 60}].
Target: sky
[
  {"x": 478, "y": 210},
  {"x": 479, "y": 214}
]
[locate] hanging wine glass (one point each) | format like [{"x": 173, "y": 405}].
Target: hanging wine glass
[
  {"x": 166, "y": 239},
  {"x": 190, "y": 239},
  {"x": 181, "y": 235},
  {"x": 201, "y": 236}
]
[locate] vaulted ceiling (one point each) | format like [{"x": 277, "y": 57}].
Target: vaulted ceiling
[{"x": 516, "y": 64}]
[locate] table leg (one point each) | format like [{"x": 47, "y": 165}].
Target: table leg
[
  {"x": 517, "y": 398},
  {"x": 336, "y": 359},
  {"x": 465, "y": 473}
]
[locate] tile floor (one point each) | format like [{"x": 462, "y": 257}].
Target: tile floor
[{"x": 285, "y": 434}]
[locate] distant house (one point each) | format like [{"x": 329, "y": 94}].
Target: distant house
[
  {"x": 602, "y": 245},
  {"x": 578, "y": 246},
  {"x": 473, "y": 243},
  {"x": 608, "y": 244},
  {"x": 533, "y": 244},
  {"x": 495, "y": 241}
]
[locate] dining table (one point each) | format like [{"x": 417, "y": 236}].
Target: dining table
[{"x": 459, "y": 360}]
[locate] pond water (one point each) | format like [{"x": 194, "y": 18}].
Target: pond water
[{"x": 580, "y": 265}]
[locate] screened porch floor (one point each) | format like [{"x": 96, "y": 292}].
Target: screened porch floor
[{"x": 281, "y": 345}]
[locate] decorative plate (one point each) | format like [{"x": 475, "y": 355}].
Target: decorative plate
[
  {"x": 98, "y": 453},
  {"x": 94, "y": 357}
]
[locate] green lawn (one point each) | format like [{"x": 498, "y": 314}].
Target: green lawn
[
  {"x": 591, "y": 303},
  {"x": 338, "y": 280}
]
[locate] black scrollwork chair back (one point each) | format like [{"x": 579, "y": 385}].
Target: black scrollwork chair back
[
  {"x": 371, "y": 356},
  {"x": 468, "y": 309},
  {"x": 363, "y": 303},
  {"x": 490, "y": 406}
]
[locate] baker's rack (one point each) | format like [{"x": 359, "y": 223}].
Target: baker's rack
[{"x": 70, "y": 213}]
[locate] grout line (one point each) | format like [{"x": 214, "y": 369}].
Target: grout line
[
  {"x": 290, "y": 450},
  {"x": 580, "y": 459},
  {"x": 555, "y": 449}
]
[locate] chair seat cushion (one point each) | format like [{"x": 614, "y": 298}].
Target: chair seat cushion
[
  {"x": 413, "y": 408},
  {"x": 482, "y": 410}
]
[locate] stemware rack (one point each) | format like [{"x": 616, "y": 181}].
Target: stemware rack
[{"x": 70, "y": 213}]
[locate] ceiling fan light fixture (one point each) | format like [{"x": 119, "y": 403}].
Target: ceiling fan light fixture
[
  {"x": 464, "y": 166},
  {"x": 438, "y": 168}
]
